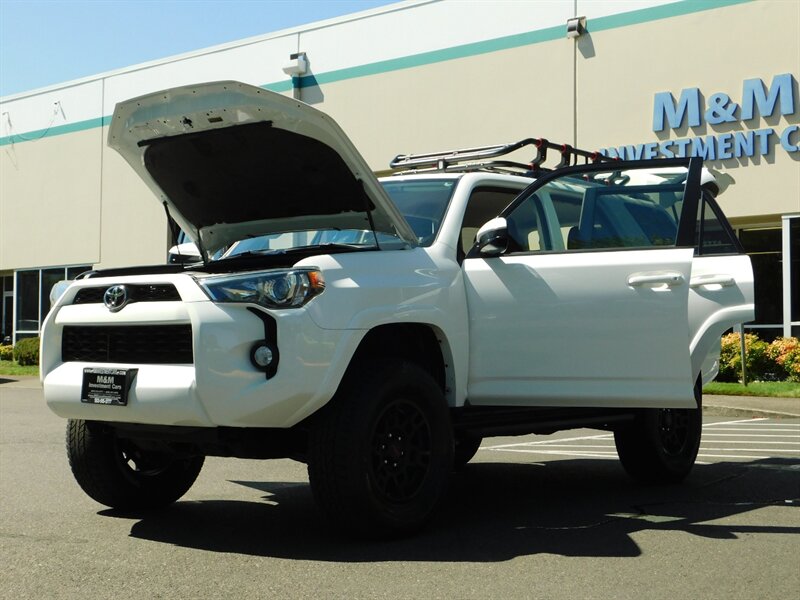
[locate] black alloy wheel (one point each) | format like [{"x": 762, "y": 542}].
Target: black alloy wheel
[
  {"x": 401, "y": 451},
  {"x": 674, "y": 430}
]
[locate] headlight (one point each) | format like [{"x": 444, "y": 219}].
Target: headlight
[{"x": 280, "y": 288}]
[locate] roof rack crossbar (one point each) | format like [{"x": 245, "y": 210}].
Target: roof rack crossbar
[
  {"x": 446, "y": 160},
  {"x": 504, "y": 166},
  {"x": 431, "y": 159}
]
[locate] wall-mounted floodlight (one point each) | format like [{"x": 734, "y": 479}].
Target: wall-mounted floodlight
[
  {"x": 298, "y": 65},
  {"x": 576, "y": 27}
]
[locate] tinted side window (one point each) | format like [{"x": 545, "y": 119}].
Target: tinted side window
[
  {"x": 601, "y": 213},
  {"x": 484, "y": 204},
  {"x": 526, "y": 227},
  {"x": 636, "y": 217}
]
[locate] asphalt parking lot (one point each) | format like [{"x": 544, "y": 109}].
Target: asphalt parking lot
[{"x": 531, "y": 517}]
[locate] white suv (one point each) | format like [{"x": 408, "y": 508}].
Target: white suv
[{"x": 379, "y": 330}]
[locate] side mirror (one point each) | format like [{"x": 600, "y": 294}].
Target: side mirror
[
  {"x": 491, "y": 239},
  {"x": 183, "y": 254}
]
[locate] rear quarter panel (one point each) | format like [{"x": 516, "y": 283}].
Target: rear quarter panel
[{"x": 715, "y": 308}]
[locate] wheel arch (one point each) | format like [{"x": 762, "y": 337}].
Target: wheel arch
[
  {"x": 705, "y": 342},
  {"x": 420, "y": 343}
]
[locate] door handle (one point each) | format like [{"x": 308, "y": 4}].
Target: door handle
[
  {"x": 701, "y": 280},
  {"x": 655, "y": 279}
]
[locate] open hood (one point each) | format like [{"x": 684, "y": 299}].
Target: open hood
[{"x": 233, "y": 161}]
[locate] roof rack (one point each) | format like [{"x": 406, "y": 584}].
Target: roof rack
[{"x": 475, "y": 159}]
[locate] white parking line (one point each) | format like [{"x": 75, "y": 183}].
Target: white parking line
[
  {"x": 760, "y": 423},
  {"x": 596, "y": 454},
  {"x": 750, "y": 456},
  {"x": 756, "y": 420},
  {"x": 791, "y": 453},
  {"x": 758, "y": 435},
  {"x": 577, "y": 446},
  {"x": 766, "y": 439},
  {"x": 757, "y": 428},
  {"x": 758, "y": 442},
  {"x": 606, "y": 436}
]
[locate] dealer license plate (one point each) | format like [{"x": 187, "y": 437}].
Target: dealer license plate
[{"x": 107, "y": 386}]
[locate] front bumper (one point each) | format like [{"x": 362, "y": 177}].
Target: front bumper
[{"x": 222, "y": 387}]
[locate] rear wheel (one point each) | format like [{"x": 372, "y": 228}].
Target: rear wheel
[
  {"x": 381, "y": 452},
  {"x": 662, "y": 444},
  {"x": 119, "y": 474}
]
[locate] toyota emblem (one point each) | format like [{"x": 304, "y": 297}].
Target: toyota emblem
[{"x": 115, "y": 298}]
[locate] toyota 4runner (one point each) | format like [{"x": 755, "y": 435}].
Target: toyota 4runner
[{"x": 378, "y": 330}]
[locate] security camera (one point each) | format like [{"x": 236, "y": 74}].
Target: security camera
[
  {"x": 576, "y": 27},
  {"x": 298, "y": 65}
]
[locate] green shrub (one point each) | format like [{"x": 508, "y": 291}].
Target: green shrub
[
  {"x": 26, "y": 352},
  {"x": 6, "y": 352},
  {"x": 760, "y": 364},
  {"x": 729, "y": 359}
]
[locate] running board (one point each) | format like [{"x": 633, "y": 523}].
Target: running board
[{"x": 489, "y": 421}]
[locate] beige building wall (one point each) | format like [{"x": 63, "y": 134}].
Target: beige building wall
[
  {"x": 486, "y": 99},
  {"x": 133, "y": 222},
  {"x": 50, "y": 205},
  {"x": 619, "y": 71},
  {"x": 70, "y": 200}
]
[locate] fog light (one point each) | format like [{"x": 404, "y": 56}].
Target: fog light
[{"x": 262, "y": 355}]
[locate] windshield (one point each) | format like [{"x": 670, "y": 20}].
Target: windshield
[
  {"x": 422, "y": 203},
  {"x": 281, "y": 243}
]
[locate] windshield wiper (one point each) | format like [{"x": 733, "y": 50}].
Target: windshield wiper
[
  {"x": 297, "y": 250},
  {"x": 337, "y": 246},
  {"x": 251, "y": 253}
]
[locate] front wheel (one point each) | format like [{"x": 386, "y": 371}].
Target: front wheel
[
  {"x": 380, "y": 453},
  {"x": 662, "y": 443},
  {"x": 119, "y": 474}
]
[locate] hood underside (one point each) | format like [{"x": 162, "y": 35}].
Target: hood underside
[{"x": 233, "y": 161}]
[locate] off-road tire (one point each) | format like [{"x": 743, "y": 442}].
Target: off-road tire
[
  {"x": 380, "y": 454},
  {"x": 661, "y": 445},
  {"x": 117, "y": 474}
]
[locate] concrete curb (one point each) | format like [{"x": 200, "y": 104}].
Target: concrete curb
[
  {"x": 729, "y": 411},
  {"x": 752, "y": 406}
]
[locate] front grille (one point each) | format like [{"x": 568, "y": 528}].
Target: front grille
[
  {"x": 137, "y": 344},
  {"x": 136, "y": 293}
]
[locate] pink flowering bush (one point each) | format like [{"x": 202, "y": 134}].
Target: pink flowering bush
[
  {"x": 785, "y": 353},
  {"x": 776, "y": 361}
]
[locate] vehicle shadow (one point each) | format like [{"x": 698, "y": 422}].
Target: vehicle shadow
[{"x": 494, "y": 512}]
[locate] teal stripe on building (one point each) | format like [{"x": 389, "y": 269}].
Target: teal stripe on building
[{"x": 635, "y": 17}]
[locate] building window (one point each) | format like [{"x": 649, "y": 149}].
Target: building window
[
  {"x": 50, "y": 277},
  {"x": 794, "y": 277},
  {"x": 27, "y": 302},
  {"x": 7, "y": 308},
  {"x": 33, "y": 297},
  {"x": 775, "y": 255}
]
